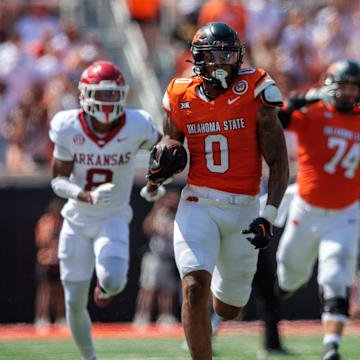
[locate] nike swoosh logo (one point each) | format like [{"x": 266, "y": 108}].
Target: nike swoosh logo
[
  {"x": 231, "y": 101},
  {"x": 155, "y": 171},
  {"x": 263, "y": 229}
]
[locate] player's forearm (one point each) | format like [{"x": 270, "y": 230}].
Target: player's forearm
[
  {"x": 273, "y": 148},
  {"x": 64, "y": 188},
  {"x": 278, "y": 181},
  {"x": 171, "y": 130}
]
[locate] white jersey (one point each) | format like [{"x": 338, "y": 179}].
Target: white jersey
[{"x": 99, "y": 160}]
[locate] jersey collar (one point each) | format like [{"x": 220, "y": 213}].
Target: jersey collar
[{"x": 101, "y": 142}]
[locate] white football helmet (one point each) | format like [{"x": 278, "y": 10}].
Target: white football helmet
[{"x": 103, "y": 91}]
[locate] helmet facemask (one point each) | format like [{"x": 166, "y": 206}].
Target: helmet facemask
[
  {"x": 219, "y": 66},
  {"x": 339, "y": 74},
  {"x": 104, "y": 101},
  {"x": 218, "y": 54},
  {"x": 336, "y": 96}
]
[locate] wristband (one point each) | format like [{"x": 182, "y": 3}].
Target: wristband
[
  {"x": 90, "y": 198},
  {"x": 152, "y": 196},
  {"x": 269, "y": 213}
]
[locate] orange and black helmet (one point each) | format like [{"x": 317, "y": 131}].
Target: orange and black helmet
[
  {"x": 342, "y": 71},
  {"x": 216, "y": 44}
]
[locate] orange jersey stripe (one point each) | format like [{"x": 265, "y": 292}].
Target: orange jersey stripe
[
  {"x": 328, "y": 155},
  {"x": 221, "y": 134}
]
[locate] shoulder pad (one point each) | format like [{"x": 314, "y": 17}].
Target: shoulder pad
[
  {"x": 271, "y": 96},
  {"x": 176, "y": 88},
  {"x": 258, "y": 79},
  {"x": 262, "y": 82},
  {"x": 140, "y": 115},
  {"x": 61, "y": 126},
  {"x": 144, "y": 127}
]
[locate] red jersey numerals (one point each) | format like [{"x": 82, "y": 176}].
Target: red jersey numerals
[{"x": 96, "y": 177}]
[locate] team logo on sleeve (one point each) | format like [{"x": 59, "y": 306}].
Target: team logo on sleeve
[
  {"x": 240, "y": 87},
  {"x": 79, "y": 139}
]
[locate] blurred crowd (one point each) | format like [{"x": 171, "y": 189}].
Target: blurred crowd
[
  {"x": 41, "y": 60},
  {"x": 293, "y": 40},
  {"x": 42, "y": 57}
]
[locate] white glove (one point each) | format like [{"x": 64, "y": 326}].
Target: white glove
[
  {"x": 102, "y": 195},
  {"x": 152, "y": 196}
]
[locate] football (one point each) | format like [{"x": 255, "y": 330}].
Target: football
[{"x": 176, "y": 149}]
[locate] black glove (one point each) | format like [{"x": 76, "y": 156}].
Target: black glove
[
  {"x": 298, "y": 100},
  {"x": 262, "y": 230},
  {"x": 164, "y": 166}
]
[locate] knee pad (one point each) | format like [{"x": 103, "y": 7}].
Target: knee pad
[
  {"x": 113, "y": 285},
  {"x": 112, "y": 274},
  {"x": 336, "y": 306}
]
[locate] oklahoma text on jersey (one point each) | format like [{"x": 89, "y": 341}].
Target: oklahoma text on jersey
[{"x": 215, "y": 126}]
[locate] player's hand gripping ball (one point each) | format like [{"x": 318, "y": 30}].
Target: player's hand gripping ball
[
  {"x": 167, "y": 158},
  {"x": 259, "y": 233}
]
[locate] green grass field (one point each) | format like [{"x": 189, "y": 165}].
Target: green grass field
[{"x": 227, "y": 348}]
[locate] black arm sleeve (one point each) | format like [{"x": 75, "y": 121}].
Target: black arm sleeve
[
  {"x": 294, "y": 102},
  {"x": 284, "y": 117},
  {"x": 298, "y": 100}
]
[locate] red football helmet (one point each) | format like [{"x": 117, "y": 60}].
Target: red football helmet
[{"x": 103, "y": 91}]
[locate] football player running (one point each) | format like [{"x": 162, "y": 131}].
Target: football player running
[
  {"x": 228, "y": 116},
  {"x": 93, "y": 167},
  {"x": 323, "y": 220}
]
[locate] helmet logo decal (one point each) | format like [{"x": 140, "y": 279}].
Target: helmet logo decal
[
  {"x": 240, "y": 87},
  {"x": 79, "y": 139},
  {"x": 197, "y": 36},
  {"x": 220, "y": 43}
]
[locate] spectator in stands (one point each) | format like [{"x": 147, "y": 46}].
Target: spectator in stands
[
  {"x": 39, "y": 20},
  {"x": 158, "y": 278},
  {"x": 49, "y": 302},
  {"x": 27, "y": 133},
  {"x": 36, "y": 79},
  {"x": 331, "y": 34},
  {"x": 146, "y": 13},
  {"x": 295, "y": 53},
  {"x": 231, "y": 12}
]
